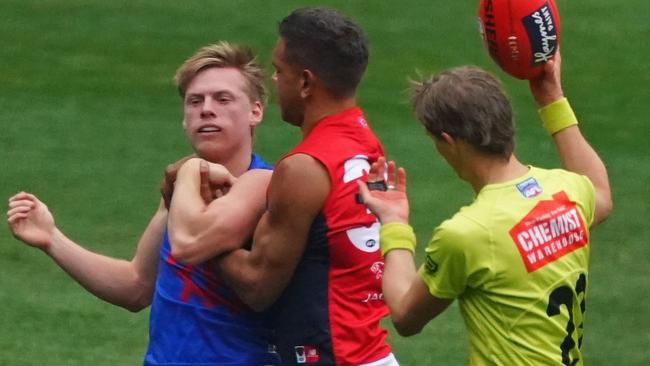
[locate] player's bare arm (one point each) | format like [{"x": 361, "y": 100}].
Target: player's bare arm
[
  {"x": 575, "y": 152},
  {"x": 298, "y": 189},
  {"x": 407, "y": 296},
  {"x": 198, "y": 230},
  {"x": 410, "y": 304},
  {"x": 128, "y": 284}
]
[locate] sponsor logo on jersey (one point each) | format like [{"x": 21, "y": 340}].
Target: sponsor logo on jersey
[
  {"x": 529, "y": 188},
  {"x": 542, "y": 34},
  {"x": 306, "y": 354},
  {"x": 374, "y": 296},
  {"x": 430, "y": 265},
  {"x": 366, "y": 239},
  {"x": 378, "y": 269},
  {"x": 355, "y": 168},
  {"x": 552, "y": 229},
  {"x": 362, "y": 122}
]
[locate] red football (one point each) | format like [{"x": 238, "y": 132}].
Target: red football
[{"x": 521, "y": 35}]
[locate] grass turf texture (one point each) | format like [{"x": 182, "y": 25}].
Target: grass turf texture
[{"x": 90, "y": 118}]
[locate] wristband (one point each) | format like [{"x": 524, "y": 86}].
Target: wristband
[
  {"x": 557, "y": 116},
  {"x": 396, "y": 235}
]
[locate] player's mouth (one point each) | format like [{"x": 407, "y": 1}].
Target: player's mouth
[{"x": 208, "y": 129}]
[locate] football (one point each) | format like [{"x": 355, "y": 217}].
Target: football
[{"x": 520, "y": 35}]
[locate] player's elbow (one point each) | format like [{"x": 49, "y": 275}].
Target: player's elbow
[
  {"x": 258, "y": 298},
  {"x": 181, "y": 251},
  {"x": 137, "y": 305},
  {"x": 604, "y": 207},
  {"x": 608, "y": 207},
  {"x": 185, "y": 255},
  {"x": 255, "y": 292},
  {"x": 404, "y": 327},
  {"x": 184, "y": 248},
  {"x": 260, "y": 303},
  {"x": 606, "y": 210},
  {"x": 140, "y": 298}
]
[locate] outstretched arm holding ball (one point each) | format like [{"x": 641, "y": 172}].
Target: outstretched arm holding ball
[
  {"x": 505, "y": 257},
  {"x": 575, "y": 153}
]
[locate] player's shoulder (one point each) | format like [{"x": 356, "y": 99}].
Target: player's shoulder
[
  {"x": 566, "y": 180},
  {"x": 297, "y": 164},
  {"x": 256, "y": 176},
  {"x": 558, "y": 173},
  {"x": 300, "y": 174},
  {"x": 464, "y": 226}
]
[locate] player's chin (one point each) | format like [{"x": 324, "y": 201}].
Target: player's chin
[{"x": 209, "y": 149}]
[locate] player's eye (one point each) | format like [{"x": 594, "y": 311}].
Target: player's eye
[
  {"x": 193, "y": 101},
  {"x": 224, "y": 98}
]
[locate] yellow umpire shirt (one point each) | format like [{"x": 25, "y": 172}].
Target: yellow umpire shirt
[{"x": 516, "y": 259}]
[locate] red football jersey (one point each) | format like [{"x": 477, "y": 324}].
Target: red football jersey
[{"x": 330, "y": 311}]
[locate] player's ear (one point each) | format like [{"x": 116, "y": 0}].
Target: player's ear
[
  {"x": 445, "y": 137},
  {"x": 308, "y": 80},
  {"x": 257, "y": 113}
]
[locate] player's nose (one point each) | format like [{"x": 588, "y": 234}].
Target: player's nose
[{"x": 208, "y": 108}]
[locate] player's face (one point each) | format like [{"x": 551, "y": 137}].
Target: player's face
[
  {"x": 218, "y": 114},
  {"x": 288, "y": 82}
]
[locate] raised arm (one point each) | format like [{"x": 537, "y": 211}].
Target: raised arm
[
  {"x": 408, "y": 299},
  {"x": 575, "y": 152},
  {"x": 128, "y": 284},
  {"x": 298, "y": 189},
  {"x": 200, "y": 231}
]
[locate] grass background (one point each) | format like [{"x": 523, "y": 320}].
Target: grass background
[{"x": 90, "y": 118}]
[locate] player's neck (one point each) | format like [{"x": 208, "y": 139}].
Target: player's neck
[
  {"x": 490, "y": 170},
  {"x": 236, "y": 162},
  {"x": 321, "y": 107}
]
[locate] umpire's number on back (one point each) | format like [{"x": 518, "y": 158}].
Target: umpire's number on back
[{"x": 564, "y": 295}]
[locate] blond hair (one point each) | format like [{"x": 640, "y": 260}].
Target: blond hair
[{"x": 224, "y": 54}]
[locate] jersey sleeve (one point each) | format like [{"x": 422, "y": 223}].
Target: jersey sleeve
[{"x": 457, "y": 257}]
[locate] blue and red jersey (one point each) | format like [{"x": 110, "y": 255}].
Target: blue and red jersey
[{"x": 196, "y": 319}]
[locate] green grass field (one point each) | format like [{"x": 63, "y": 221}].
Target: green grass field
[{"x": 90, "y": 118}]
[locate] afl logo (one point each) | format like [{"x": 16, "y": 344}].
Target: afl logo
[
  {"x": 529, "y": 188},
  {"x": 366, "y": 239}
]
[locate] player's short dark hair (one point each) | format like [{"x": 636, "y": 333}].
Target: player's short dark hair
[
  {"x": 467, "y": 103},
  {"x": 329, "y": 44}
]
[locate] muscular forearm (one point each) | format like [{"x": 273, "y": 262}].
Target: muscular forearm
[
  {"x": 113, "y": 280},
  {"x": 409, "y": 301},
  {"x": 246, "y": 275},
  {"x": 576, "y": 154},
  {"x": 560, "y": 122},
  {"x": 399, "y": 273},
  {"x": 297, "y": 193},
  {"x": 128, "y": 284},
  {"x": 187, "y": 216},
  {"x": 198, "y": 231},
  {"x": 260, "y": 275}
]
